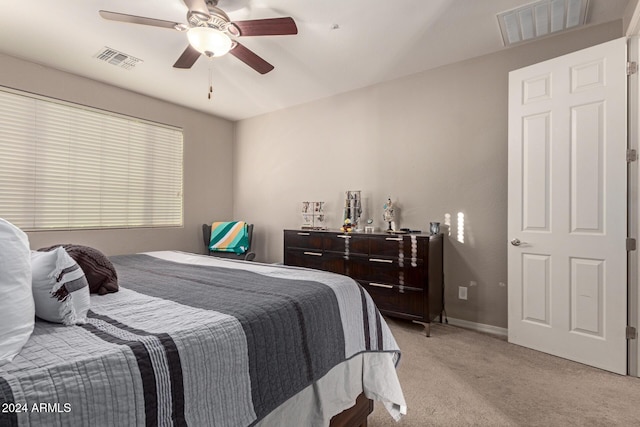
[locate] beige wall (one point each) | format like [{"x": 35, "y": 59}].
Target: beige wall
[
  {"x": 435, "y": 142},
  {"x": 630, "y": 24},
  {"x": 207, "y": 152}
]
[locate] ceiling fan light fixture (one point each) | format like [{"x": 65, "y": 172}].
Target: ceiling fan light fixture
[{"x": 209, "y": 41}]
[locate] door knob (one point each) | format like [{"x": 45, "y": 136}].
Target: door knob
[{"x": 516, "y": 242}]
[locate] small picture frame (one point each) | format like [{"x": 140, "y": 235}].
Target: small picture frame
[
  {"x": 313, "y": 217},
  {"x": 307, "y": 220}
]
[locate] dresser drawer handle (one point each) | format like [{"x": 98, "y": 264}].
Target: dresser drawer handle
[
  {"x": 397, "y": 239},
  {"x": 313, "y": 253},
  {"x": 388, "y": 261},
  {"x": 380, "y": 285},
  {"x": 343, "y": 236},
  {"x": 304, "y": 234}
]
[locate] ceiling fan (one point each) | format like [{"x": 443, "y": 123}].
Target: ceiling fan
[{"x": 208, "y": 30}]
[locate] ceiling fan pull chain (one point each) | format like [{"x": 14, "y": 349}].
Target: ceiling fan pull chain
[{"x": 210, "y": 80}]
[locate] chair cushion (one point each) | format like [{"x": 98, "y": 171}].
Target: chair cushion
[{"x": 229, "y": 237}]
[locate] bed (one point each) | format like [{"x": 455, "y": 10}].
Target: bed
[{"x": 202, "y": 341}]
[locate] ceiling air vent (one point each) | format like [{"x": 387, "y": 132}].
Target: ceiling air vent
[
  {"x": 117, "y": 58},
  {"x": 540, "y": 19}
]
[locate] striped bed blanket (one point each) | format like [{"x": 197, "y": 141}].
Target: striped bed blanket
[{"x": 185, "y": 344}]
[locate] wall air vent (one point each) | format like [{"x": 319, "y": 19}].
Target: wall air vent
[
  {"x": 117, "y": 58},
  {"x": 540, "y": 19}
]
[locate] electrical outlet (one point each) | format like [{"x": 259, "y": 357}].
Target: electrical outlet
[
  {"x": 473, "y": 283},
  {"x": 502, "y": 284},
  {"x": 462, "y": 292}
]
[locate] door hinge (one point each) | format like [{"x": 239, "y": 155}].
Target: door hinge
[
  {"x": 631, "y": 244},
  {"x": 632, "y": 155},
  {"x": 632, "y": 334},
  {"x": 632, "y": 68}
]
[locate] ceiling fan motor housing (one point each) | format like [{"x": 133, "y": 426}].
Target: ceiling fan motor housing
[{"x": 217, "y": 19}]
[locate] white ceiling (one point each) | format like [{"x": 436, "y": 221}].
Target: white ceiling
[{"x": 376, "y": 41}]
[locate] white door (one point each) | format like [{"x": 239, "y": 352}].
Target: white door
[{"x": 567, "y": 206}]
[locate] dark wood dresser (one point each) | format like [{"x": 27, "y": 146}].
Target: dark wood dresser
[{"x": 401, "y": 272}]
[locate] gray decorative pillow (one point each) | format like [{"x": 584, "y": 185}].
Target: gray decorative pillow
[
  {"x": 60, "y": 289},
  {"x": 100, "y": 272}
]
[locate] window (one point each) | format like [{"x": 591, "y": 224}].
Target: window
[{"x": 66, "y": 166}]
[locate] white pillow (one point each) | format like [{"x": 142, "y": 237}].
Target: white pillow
[
  {"x": 16, "y": 300},
  {"x": 60, "y": 289}
]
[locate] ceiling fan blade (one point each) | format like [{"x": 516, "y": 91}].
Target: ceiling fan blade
[
  {"x": 188, "y": 58},
  {"x": 251, "y": 59},
  {"x": 198, "y": 6},
  {"x": 267, "y": 27},
  {"x": 132, "y": 19}
]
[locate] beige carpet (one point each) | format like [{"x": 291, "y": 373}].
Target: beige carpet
[{"x": 459, "y": 377}]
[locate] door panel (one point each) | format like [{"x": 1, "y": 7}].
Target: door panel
[
  {"x": 535, "y": 283},
  {"x": 567, "y": 206},
  {"x": 587, "y": 296},
  {"x": 536, "y": 178},
  {"x": 587, "y": 168}
]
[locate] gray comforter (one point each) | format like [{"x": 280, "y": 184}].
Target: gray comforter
[{"x": 190, "y": 345}]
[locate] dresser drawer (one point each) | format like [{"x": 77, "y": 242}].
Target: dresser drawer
[
  {"x": 389, "y": 298},
  {"x": 395, "y": 246},
  {"x": 354, "y": 243},
  {"x": 314, "y": 259},
  {"x": 387, "y": 270},
  {"x": 303, "y": 239}
]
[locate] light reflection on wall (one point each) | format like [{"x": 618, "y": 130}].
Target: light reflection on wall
[
  {"x": 460, "y": 227},
  {"x": 447, "y": 222}
]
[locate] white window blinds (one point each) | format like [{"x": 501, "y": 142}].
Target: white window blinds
[{"x": 64, "y": 166}]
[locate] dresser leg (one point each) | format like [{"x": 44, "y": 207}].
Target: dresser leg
[{"x": 427, "y": 327}]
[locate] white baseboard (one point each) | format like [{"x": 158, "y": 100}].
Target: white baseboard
[{"x": 480, "y": 327}]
